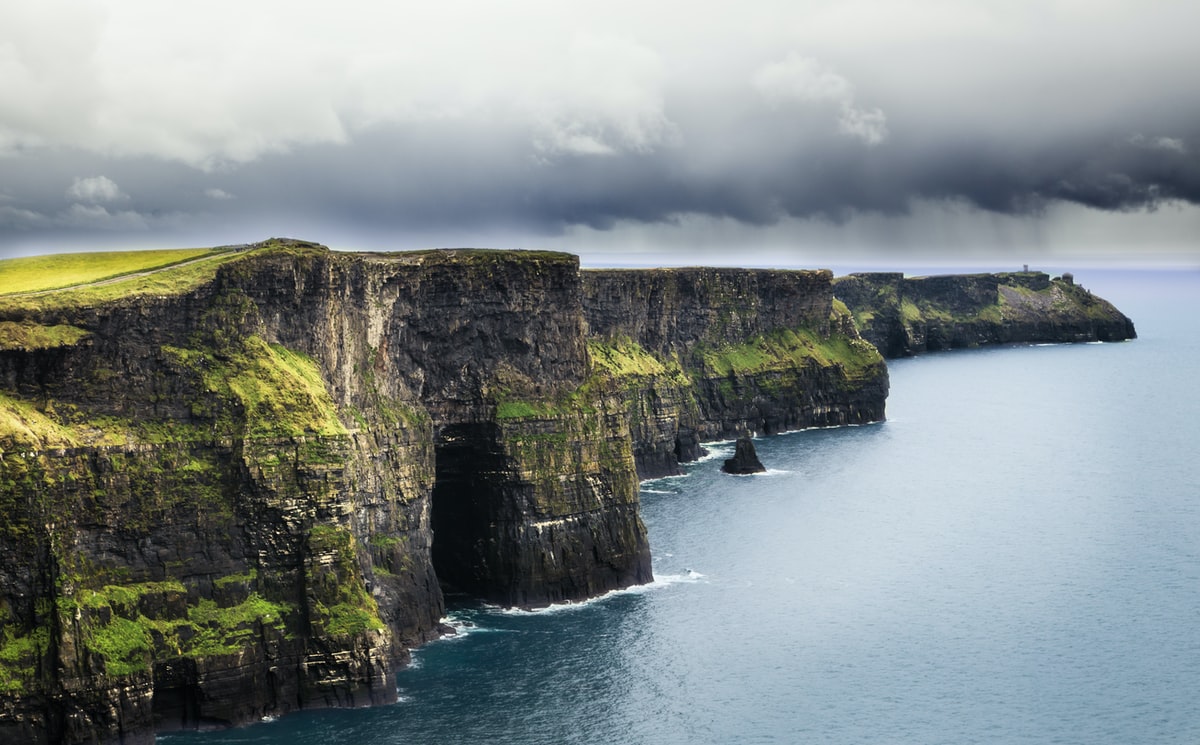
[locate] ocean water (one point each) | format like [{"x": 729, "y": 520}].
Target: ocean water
[{"x": 1013, "y": 557}]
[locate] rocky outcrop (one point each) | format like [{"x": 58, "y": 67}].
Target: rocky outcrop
[
  {"x": 745, "y": 459},
  {"x": 902, "y": 315},
  {"x": 239, "y": 487}
]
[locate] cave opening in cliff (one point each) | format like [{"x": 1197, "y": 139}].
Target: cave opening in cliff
[{"x": 465, "y": 511}]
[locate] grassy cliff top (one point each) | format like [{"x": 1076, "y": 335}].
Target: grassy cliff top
[
  {"x": 480, "y": 256},
  {"x": 76, "y": 280},
  {"x": 57, "y": 271}
]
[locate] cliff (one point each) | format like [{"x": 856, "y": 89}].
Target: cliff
[
  {"x": 903, "y": 316},
  {"x": 707, "y": 354},
  {"x": 237, "y": 486}
]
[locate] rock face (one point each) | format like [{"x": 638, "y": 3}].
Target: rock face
[
  {"x": 745, "y": 459},
  {"x": 707, "y": 354},
  {"x": 238, "y": 488},
  {"x": 903, "y": 316}
]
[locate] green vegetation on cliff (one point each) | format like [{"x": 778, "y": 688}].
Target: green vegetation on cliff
[
  {"x": 787, "y": 349},
  {"x": 248, "y": 389},
  {"x": 623, "y": 357},
  {"x": 340, "y": 604},
  {"x": 277, "y": 391},
  {"x": 29, "y": 336},
  {"x": 24, "y": 427},
  {"x": 66, "y": 281},
  {"x": 126, "y": 626},
  {"x": 903, "y": 316},
  {"x": 174, "y": 280},
  {"x": 54, "y": 271},
  {"x": 20, "y": 654}
]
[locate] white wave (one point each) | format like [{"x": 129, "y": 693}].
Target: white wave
[
  {"x": 658, "y": 491},
  {"x": 760, "y": 474},
  {"x": 829, "y": 426},
  {"x": 463, "y": 627},
  {"x": 676, "y": 477},
  {"x": 660, "y": 582},
  {"x": 268, "y": 718},
  {"x": 717, "y": 449}
]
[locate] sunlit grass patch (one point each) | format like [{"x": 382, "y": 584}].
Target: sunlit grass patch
[{"x": 55, "y": 271}]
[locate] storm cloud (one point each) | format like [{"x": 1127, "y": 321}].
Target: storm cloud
[{"x": 537, "y": 123}]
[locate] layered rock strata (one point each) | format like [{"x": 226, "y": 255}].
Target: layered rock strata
[
  {"x": 706, "y": 354},
  {"x": 903, "y": 316},
  {"x": 239, "y": 487}
]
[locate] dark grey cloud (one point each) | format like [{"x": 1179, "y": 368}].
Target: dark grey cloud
[{"x": 548, "y": 125}]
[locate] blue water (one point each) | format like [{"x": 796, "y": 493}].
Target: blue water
[{"x": 1013, "y": 557}]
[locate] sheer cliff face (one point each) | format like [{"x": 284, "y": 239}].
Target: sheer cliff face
[
  {"x": 711, "y": 353},
  {"x": 221, "y": 503},
  {"x": 243, "y": 494},
  {"x": 671, "y": 311},
  {"x": 906, "y": 315}
]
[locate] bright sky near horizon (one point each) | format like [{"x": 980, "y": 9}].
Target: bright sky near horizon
[{"x": 798, "y": 132}]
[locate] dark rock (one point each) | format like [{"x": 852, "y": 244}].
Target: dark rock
[
  {"x": 745, "y": 459},
  {"x": 710, "y": 353},
  {"x": 905, "y": 316},
  {"x": 246, "y": 497}
]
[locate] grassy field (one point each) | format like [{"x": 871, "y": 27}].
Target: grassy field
[{"x": 37, "y": 273}]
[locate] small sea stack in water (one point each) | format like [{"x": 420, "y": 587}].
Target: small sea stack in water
[{"x": 745, "y": 459}]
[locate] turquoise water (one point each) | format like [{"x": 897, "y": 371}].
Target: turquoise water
[{"x": 1013, "y": 557}]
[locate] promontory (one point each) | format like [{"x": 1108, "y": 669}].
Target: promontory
[{"x": 236, "y": 482}]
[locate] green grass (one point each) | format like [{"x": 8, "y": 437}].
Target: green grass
[
  {"x": 52, "y": 279},
  {"x": 340, "y": 604},
  {"x": 227, "y": 630},
  {"x": 22, "y": 426},
  {"x": 526, "y": 410},
  {"x": 37, "y": 273},
  {"x": 29, "y": 336},
  {"x": 280, "y": 392},
  {"x": 786, "y": 349},
  {"x": 625, "y": 357},
  {"x": 253, "y": 389},
  {"x": 19, "y": 656},
  {"x": 175, "y": 280},
  {"x": 114, "y": 627},
  {"x": 124, "y": 644}
]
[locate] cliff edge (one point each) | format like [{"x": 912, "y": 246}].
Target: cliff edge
[
  {"x": 236, "y": 481},
  {"x": 903, "y": 316}
]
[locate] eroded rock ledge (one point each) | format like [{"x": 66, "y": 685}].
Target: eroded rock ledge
[{"x": 238, "y": 487}]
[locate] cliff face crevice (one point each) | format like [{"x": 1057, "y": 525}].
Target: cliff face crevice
[
  {"x": 902, "y": 315},
  {"x": 238, "y": 489}
]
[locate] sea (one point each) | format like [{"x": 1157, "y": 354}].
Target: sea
[{"x": 1012, "y": 557}]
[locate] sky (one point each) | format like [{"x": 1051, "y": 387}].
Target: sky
[{"x": 791, "y": 132}]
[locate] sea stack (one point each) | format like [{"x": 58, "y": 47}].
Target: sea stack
[{"x": 745, "y": 459}]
